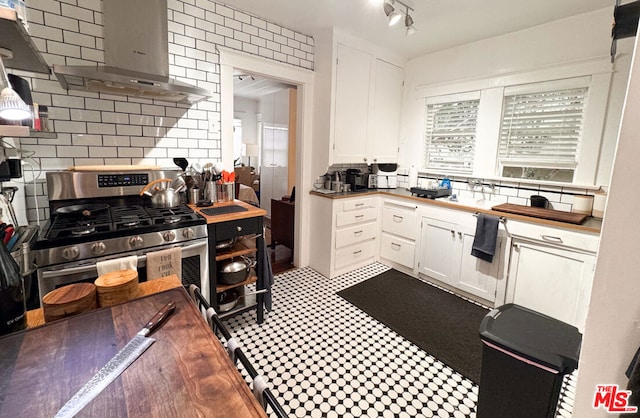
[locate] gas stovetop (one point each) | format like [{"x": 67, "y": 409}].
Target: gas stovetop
[{"x": 114, "y": 222}]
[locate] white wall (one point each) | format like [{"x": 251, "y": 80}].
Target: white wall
[{"x": 565, "y": 41}]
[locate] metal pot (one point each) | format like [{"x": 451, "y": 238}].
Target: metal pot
[
  {"x": 228, "y": 243},
  {"x": 228, "y": 299},
  {"x": 162, "y": 197},
  {"x": 234, "y": 271}
]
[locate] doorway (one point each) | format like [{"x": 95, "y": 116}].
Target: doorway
[{"x": 234, "y": 62}]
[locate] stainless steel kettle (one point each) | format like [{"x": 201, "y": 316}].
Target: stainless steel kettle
[{"x": 162, "y": 197}]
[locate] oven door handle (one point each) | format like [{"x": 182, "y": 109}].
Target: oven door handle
[{"x": 90, "y": 267}]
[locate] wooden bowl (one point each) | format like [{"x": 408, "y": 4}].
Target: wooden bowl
[
  {"x": 69, "y": 300},
  {"x": 117, "y": 287}
]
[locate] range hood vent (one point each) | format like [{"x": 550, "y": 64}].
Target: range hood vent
[{"x": 136, "y": 52}]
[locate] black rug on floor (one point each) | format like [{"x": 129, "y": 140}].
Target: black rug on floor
[{"x": 438, "y": 322}]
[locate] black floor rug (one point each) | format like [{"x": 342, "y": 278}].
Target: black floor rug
[{"x": 438, "y": 322}]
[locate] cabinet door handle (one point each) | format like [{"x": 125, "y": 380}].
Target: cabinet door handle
[
  {"x": 357, "y": 232},
  {"x": 460, "y": 235},
  {"x": 398, "y": 217},
  {"x": 396, "y": 246},
  {"x": 453, "y": 233},
  {"x": 357, "y": 252},
  {"x": 551, "y": 238},
  {"x": 359, "y": 216}
]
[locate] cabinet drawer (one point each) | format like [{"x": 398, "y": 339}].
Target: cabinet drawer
[
  {"x": 398, "y": 250},
  {"x": 355, "y": 204},
  {"x": 355, "y": 253},
  {"x": 230, "y": 229},
  {"x": 585, "y": 241},
  {"x": 355, "y": 234},
  {"x": 356, "y": 216},
  {"x": 399, "y": 222}
]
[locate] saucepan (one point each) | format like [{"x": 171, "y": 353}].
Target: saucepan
[
  {"x": 234, "y": 271},
  {"x": 228, "y": 299}
]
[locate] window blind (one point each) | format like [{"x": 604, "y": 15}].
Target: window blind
[
  {"x": 542, "y": 128},
  {"x": 450, "y": 136}
]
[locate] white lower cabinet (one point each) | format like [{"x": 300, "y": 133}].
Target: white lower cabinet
[
  {"x": 552, "y": 280},
  {"x": 398, "y": 238},
  {"x": 345, "y": 234},
  {"x": 445, "y": 255}
]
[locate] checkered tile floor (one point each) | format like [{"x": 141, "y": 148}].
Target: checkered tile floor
[{"x": 323, "y": 357}]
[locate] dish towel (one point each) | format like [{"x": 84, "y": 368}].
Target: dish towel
[
  {"x": 164, "y": 263},
  {"x": 266, "y": 281},
  {"x": 484, "y": 243},
  {"x": 124, "y": 263}
]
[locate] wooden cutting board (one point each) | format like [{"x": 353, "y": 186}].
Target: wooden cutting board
[
  {"x": 550, "y": 214},
  {"x": 185, "y": 373},
  {"x": 114, "y": 167}
]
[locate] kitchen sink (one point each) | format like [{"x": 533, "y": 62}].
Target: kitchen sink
[{"x": 473, "y": 202}]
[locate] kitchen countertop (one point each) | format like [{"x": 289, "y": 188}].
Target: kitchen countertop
[
  {"x": 252, "y": 211},
  {"x": 589, "y": 225},
  {"x": 186, "y": 372}
]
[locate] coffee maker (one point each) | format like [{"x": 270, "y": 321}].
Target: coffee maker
[{"x": 356, "y": 178}]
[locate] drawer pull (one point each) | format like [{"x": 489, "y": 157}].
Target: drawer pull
[
  {"x": 396, "y": 246},
  {"x": 359, "y": 216},
  {"x": 239, "y": 228},
  {"x": 398, "y": 218},
  {"x": 551, "y": 238},
  {"x": 357, "y": 252},
  {"x": 359, "y": 204},
  {"x": 357, "y": 232}
]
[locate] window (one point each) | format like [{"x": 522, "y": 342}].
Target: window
[
  {"x": 540, "y": 134},
  {"x": 450, "y": 136}
]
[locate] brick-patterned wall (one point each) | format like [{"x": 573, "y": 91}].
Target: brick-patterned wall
[{"x": 105, "y": 129}]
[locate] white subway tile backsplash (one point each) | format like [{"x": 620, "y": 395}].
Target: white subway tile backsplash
[
  {"x": 45, "y": 32},
  {"x": 72, "y": 151},
  {"x": 89, "y": 54},
  {"x": 69, "y": 126},
  {"x": 67, "y": 50},
  {"x": 99, "y": 104},
  {"x": 84, "y": 139},
  {"x": 91, "y": 29},
  {"x": 196, "y": 12},
  {"x": 116, "y": 141},
  {"x": 259, "y": 23},
  {"x": 78, "y": 13},
  {"x": 130, "y": 152},
  {"x": 224, "y": 31},
  {"x": 128, "y": 130},
  {"x": 80, "y": 115},
  {"x": 61, "y": 22},
  {"x": 154, "y": 131},
  {"x": 140, "y": 141},
  {"x": 112, "y": 117},
  {"x": 75, "y": 38},
  {"x": 101, "y": 128},
  {"x": 102, "y": 152}
]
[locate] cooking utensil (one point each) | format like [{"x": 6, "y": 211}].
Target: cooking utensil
[
  {"x": 228, "y": 299},
  {"x": 181, "y": 162},
  {"x": 118, "y": 363},
  {"x": 228, "y": 243},
  {"x": 234, "y": 271},
  {"x": 162, "y": 198},
  {"x": 84, "y": 210}
]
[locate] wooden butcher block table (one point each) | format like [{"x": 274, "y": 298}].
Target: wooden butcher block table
[{"x": 185, "y": 373}]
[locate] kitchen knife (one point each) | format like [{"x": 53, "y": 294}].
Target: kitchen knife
[{"x": 123, "y": 359}]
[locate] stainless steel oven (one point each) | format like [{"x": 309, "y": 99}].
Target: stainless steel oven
[
  {"x": 194, "y": 268},
  {"x": 98, "y": 216}
]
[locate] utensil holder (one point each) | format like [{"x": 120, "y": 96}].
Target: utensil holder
[
  {"x": 225, "y": 192},
  {"x": 210, "y": 191}
]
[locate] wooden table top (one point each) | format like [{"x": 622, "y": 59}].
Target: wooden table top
[
  {"x": 185, "y": 373},
  {"x": 35, "y": 317},
  {"x": 251, "y": 212}
]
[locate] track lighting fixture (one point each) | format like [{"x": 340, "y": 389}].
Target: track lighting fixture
[{"x": 395, "y": 15}]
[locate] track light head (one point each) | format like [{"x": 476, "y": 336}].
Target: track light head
[
  {"x": 388, "y": 9},
  {"x": 408, "y": 20},
  {"x": 394, "y": 17},
  {"x": 410, "y": 30}
]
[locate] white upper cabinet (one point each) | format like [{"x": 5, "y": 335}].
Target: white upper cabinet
[
  {"x": 368, "y": 99},
  {"x": 384, "y": 126},
  {"x": 353, "y": 84}
]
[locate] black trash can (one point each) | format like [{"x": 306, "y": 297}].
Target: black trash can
[{"x": 525, "y": 356}]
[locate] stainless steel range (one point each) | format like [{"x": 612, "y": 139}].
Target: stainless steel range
[{"x": 99, "y": 216}]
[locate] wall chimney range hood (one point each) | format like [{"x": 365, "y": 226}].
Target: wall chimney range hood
[{"x": 136, "y": 53}]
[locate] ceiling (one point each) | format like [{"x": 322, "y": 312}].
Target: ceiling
[
  {"x": 440, "y": 24},
  {"x": 253, "y": 86}
]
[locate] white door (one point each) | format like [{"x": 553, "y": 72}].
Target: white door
[
  {"x": 477, "y": 276},
  {"x": 438, "y": 250},
  {"x": 550, "y": 280},
  {"x": 353, "y": 77},
  {"x": 385, "y": 119}
]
